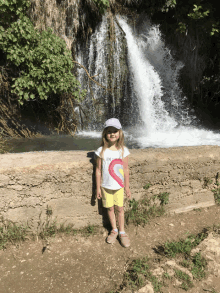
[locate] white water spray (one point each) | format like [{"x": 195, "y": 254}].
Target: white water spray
[
  {"x": 149, "y": 61},
  {"x": 147, "y": 86}
]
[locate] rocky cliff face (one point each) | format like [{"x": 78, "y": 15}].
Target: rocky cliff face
[
  {"x": 67, "y": 18},
  {"x": 50, "y": 14},
  {"x": 98, "y": 44}
]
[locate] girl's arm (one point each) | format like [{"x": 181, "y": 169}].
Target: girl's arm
[
  {"x": 126, "y": 176},
  {"x": 98, "y": 177}
]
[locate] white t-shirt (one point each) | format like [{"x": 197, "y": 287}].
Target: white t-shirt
[{"x": 112, "y": 168}]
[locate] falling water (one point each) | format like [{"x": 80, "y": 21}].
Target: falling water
[
  {"x": 164, "y": 120},
  {"x": 107, "y": 71},
  {"x": 155, "y": 82},
  {"x": 147, "y": 87}
]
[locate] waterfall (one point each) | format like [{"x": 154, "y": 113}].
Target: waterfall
[
  {"x": 151, "y": 43},
  {"x": 105, "y": 59},
  {"x": 93, "y": 58},
  {"x": 147, "y": 86},
  {"x": 150, "y": 103}
]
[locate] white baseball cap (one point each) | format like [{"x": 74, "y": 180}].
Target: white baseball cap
[{"x": 113, "y": 122}]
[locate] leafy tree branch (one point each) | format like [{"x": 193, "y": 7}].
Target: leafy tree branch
[{"x": 43, "y": 62}]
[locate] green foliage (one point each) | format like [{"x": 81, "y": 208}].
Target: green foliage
[
  {"x": 182, "y": 276},
  {"x": 67, "y": 229},
  {"x": 88, "y": 231},
  {"x": 42, "y": 59},
  {"x": 187, "y": 283},
  {"x": 51, "y": 229},
  {"x": 137, "y": 273},
  {"x": 216, "y": 228},
  {"x": 207, "y": 181},
  {"x": 183, "y": 246},
  {"x": 15, "y": 6},
  {"x": 185, "y": 263},
  {"x": 11, "y": 233},
  {"x": 166, "y": 275},
  {"x": 140, "y": 266},
  {"x": 197, "y": 13},
  {"x": 216, "y": 195},
  {"x": 215, "y": 28},
  {"x": 146, "y": 186},
  {"x": 199, "y": 266},
  {"x": 182, "y": 27},
  {"x": 187, "y": 14},
  {"x": 102, "y": 5},
  {"x": 141, "y": 211},
  {"x": 163, "y": 197},
  {"x": 136, "y": 214},
  {"x": 10, "y": 10},
  {"x": 49, "y": 211},
  {"x": 169, "y": 4}
]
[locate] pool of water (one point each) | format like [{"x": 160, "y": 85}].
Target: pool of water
[
  {"x": 134, "y": 138},
  {"x": 59, "y": 143}
]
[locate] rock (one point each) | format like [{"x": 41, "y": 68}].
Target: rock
[
  {"x": 15, "y": 187},
  {"x": 210, "y": 250},
  {"x": 146, "y": 289},
  {"x": 173, "y": 265},
  {"x": 4, "y": 180},
  {"x": 158, "y": 272},
  {"x": 177, "y": 283}
]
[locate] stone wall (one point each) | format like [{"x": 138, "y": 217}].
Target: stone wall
[{"x": 34, "y": 184}]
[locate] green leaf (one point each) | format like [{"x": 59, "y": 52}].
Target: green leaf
[
  {"x": 40, "y": 56},
  {"x": 26, "y": 96}
]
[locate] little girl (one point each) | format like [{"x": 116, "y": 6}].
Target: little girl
[{"x": 112, "y": 170}]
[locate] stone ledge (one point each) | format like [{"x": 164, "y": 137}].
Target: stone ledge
[{"x": 65, "y": 182}]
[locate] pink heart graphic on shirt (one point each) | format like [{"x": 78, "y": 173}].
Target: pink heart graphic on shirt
[{"x": 114, "y": 170}]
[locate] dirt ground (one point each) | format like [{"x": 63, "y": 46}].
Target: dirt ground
[{"x": 88, "y": 264}]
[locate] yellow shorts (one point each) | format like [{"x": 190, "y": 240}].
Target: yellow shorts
[{"x": 112, "y": 197}]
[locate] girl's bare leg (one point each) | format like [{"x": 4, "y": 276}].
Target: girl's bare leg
[
  {"x": 111, "y": 215},
  {"x": 120, "y": 217}
]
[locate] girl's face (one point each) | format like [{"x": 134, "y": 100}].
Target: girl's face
[{"x": 112, "y": 134}]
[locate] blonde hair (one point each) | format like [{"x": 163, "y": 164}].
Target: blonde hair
[{"x": 119, "y": 144}]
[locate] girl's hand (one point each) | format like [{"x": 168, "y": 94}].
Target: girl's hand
[
  {"x": 99, "y": 193},
  {"x": 128, "y": 192}
]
